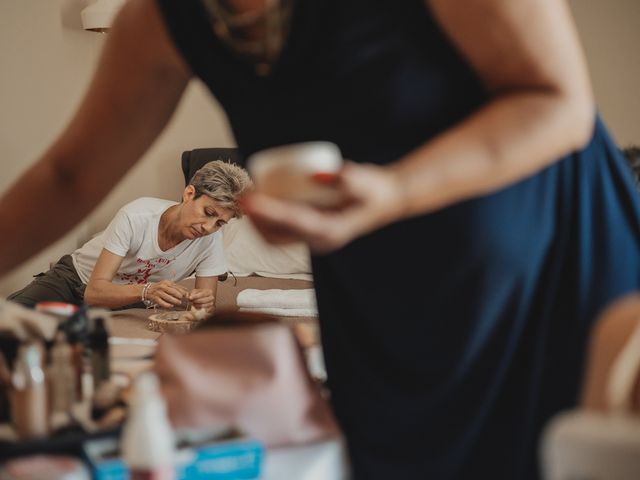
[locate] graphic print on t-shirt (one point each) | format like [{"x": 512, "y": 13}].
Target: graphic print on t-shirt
[{"x": 145, "y": 270}]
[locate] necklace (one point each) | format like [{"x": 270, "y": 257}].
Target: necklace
[{"x": 231, "y": 28}]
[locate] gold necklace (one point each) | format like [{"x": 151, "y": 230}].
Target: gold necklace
[{"x": 262, "y": 52}]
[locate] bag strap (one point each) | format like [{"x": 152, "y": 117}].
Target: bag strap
[{"x": 623, "y": 374}]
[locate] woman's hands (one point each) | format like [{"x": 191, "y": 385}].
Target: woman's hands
[
  {"x": 373, "y": 198},
  {"x": 202, "y": 298},
  {"x": 166, "y": 294}
]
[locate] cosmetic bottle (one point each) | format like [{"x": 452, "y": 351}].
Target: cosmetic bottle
[
  {"x": 147, "y": 438},
  {"x": 9, "y": 345},
  {"x": 77, "y": 362},
  {"x": 76, "y": 327},
  {"x": 99, "y": 348},
  {"x": 62, "y": 381},
  {"x": 29, "y": 396}
]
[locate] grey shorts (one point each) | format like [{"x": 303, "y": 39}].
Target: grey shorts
[{"x": 60, "y": 284}]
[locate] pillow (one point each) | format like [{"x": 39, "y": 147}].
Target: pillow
[{"x": 247, "y": 253}]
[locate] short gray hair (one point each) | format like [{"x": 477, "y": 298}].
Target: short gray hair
[{"x": 224, "y": 182}]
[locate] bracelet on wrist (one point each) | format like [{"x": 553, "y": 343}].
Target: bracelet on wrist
[{"x": 147, "y": 302}]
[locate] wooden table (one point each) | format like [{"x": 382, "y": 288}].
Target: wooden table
[
  {"x": 131, "y": 323},
  {"x": 323, "y": 460}
]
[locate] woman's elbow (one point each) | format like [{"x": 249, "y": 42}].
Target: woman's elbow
[
  {"x": 580, "y": 113},
  {"x": 91, "y": 296}
]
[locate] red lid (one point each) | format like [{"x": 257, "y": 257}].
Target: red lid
[{"x": 57, "y": 308}]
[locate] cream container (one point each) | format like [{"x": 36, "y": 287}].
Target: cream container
[{"x": 301, "y": 172}]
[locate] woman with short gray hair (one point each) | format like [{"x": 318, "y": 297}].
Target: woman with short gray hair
[{"x": 148, "y": 247}]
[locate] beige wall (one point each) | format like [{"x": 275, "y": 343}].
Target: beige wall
[
  {"x": 46, "y": 60},
  {"x": 611, "y": 38}
]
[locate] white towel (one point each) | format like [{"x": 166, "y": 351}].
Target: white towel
[
  {"x": 277, "y": 298},
  {"x": 282, "y": 312}
]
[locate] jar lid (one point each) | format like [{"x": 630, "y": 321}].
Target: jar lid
[{"x": 57, "y": 308}]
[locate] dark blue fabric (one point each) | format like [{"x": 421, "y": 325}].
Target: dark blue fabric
[{"x": 455, "y": 374}]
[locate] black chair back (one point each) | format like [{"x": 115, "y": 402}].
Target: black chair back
[{"x": 193, "y": 160}]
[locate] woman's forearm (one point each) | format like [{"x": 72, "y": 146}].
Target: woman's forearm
[
  {"x": 539, "y": 107},
  {"x": 102, "y": 293},
  {"x": 47, "y": 191}
]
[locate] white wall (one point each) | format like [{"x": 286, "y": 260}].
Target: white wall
[
  {"x": 46, "y": 60},
  {"x": 611, "y": 38}
]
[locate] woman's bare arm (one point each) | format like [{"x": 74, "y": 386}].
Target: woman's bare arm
[
  {"x": 540, "y": 107},
  {"x": 528, "y": 55},
  {"x": 136, "y": 87},
  {"x": 101, "y": 291}
]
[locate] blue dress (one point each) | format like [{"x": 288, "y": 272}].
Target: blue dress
[{"x": 449, "y": 338}]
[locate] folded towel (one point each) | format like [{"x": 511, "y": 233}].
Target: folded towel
[
  {"x": 277, "y": 298},
  {"x": 282, "y": 312}
]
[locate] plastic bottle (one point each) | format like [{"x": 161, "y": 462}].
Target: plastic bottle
[
  {"x": 29, "y": 398},
  {"x": 77, "y": 362},
  {"x": 5, "y": 386},
  {"x": 62, "y": 381},
  {"x": 76, "y": 327},
  {"x": 147, "y": 438},
  {"x": 99, "y": 347}
]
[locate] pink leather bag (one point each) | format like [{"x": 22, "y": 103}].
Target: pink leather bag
[{"x": 244, "y": 371}]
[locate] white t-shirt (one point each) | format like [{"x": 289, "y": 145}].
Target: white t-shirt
[{"x": 133, "y": 234}]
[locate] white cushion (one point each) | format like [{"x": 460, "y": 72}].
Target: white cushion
[{"x": 247, "y": 253}]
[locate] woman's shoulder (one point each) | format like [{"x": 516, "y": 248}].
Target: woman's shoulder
[{"x": 147, "y": 205}]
